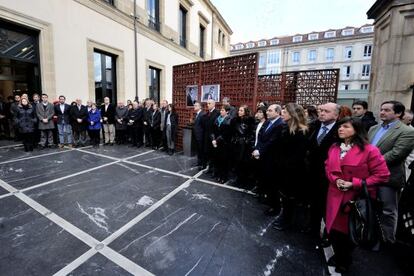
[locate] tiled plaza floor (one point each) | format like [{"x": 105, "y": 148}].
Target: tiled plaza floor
[{"x": 122, "y": 211}]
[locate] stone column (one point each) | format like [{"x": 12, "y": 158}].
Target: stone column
[{"x": 392, "y": 69}]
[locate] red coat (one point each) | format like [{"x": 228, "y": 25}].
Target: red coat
[{"x": 354, "y": 167}]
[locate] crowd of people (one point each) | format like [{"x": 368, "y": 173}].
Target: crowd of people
[
  {"x": 40, "y": 123},
  {"x": 304, "y": 163}
]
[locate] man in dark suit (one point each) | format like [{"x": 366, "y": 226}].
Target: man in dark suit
[
  {"x": 62, "y": 112},
  {"x": 395, "y": 140},
  {"x": 135, "y": 124},
  {"x": 198, "y": 133},
  {"x": 320, "y": 140},
  {"x": 208, "y": 126},
  {"x": 108, "y": 112},
  {"x": 79, "y": 115},
  {"x": 266, "y": 151}
]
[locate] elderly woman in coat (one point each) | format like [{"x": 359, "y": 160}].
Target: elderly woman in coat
[
  {"x": 25, "y": 121},
  {"x": 348, "y": 164}
]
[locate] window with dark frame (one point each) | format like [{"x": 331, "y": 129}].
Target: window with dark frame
[
  {"x": 367, "y": 50},
  {"x": 154, "y": 77},
  {"x": 153, "y": 10},
  {"x": 365, "y": 70},
  {"x": 105, "y": 76},
  {"x": 202, "y": 40},
  {"x": 183, "y": 26}
]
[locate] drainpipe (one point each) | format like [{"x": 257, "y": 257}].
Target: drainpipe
[
  {"x": 212, "y": 36},
  {"x": 135, "y": 50}
]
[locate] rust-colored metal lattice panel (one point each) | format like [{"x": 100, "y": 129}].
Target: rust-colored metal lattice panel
[
  {"x": 237, "y": 77},
  {"x": 316, "y": 87},
  {"x": 311, "y": 87},
  {"x": 269, "y": 88}
]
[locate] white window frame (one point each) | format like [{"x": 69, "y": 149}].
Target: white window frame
[
  {"x": 312, "y": 57},
  {"x": 330, "y": 34},
  {"x": 239, "y": 46},
  {"x": 328, "y": 57},
  {"x": 262, "y": 61},
  {"x": 313, "y": 36},
  {"x": 297, "y": 38},
  {"x": 364, "y": 86},
  {"x": 273, "y": 57},
  {"x": 368, "y": 29},
  {"x": 293, "y": 57},
  {"x": 346, "y": 73},
  {"x": 348, "y": 52},
  {"x": 274, "y": 42},
  {"x": 366, "y": 70},
  {"x": 347, "y": 32},
  {"x": 249, "y": 45},
  {"x": 346, "y": 87},
  {"x": 262, "y": 43},
  {"x": 368, "y": 50}
]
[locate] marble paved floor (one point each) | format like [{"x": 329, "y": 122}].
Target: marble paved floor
[{"x": 122, "y": 211}]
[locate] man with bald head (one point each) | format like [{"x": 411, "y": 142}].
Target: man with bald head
[
  {"x": 266, "y": 152},
  {"x": 79, "y": 116},
  {"x": 321, "y": 138}
]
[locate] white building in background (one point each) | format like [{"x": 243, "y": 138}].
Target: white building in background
[
  {"x": 348, "y": 49},
  {"x": 85, "y": 48}
]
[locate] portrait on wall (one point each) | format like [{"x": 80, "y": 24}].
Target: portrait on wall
[
  {"x": 192, "y": 94},
  {"x": 210, "y": 92}
]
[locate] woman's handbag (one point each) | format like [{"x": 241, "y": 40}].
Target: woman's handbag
[{"x": 364, "y": 224}]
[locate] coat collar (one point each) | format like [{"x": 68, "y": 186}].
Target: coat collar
[{"x": 352, "y": 158}]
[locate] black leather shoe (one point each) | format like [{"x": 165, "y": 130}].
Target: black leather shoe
[{"x": 324, "y": 242}]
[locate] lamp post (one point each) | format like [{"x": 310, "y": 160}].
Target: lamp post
[{"x": 135, "y": 50}]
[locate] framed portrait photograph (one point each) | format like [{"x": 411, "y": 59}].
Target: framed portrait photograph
[
  {"x": 210, "y": 92},
  {"x": 192, "y": 94}
]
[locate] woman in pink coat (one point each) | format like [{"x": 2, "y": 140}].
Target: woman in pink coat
[{"x": 348, "y": 163}]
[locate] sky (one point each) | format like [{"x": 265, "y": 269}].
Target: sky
[{"x": 257, "y": 19}]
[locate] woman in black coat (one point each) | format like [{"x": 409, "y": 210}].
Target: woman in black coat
[
  {"x": 291, "y": 164},
  {"x": 242, "y": 141},
  {"x": 171, "y": 128},
  {"x": 25, "y": 120},
  {"x": 221, "y": 141}
]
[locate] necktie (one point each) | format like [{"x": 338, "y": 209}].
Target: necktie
[
  {"x": 323, "y": 134},
  {"x": 269, "y": 126}
]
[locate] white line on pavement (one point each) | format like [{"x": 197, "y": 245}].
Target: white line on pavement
[
  {"x": 8, "y": 187},
  {"x": 11, "y": 146},
  {"x": 225, "y": 186},
  {"x": 157, "y": 169},
  {"x": 148, "y": 211},
  {"x": 98, "y": 154},
  {"x": 67, "y": 176},
  {"x": 143, "y": 153},
  {"x": 35, "y": 156},
  {"x": 124, "y": 262},
  {"x": 76, "y": 263}
]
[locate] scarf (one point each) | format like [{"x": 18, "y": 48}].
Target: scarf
[{"x": 345, "y": 149}]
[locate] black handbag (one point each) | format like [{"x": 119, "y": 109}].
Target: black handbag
[{"x": 364, "y": 224}]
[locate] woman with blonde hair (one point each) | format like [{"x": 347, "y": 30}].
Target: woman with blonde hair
[{"x": 291, "y": 163}]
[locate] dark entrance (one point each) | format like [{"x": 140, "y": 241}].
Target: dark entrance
[
  {"x": 105, "y": 76},
  {"x": 19, "y": 60}
]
